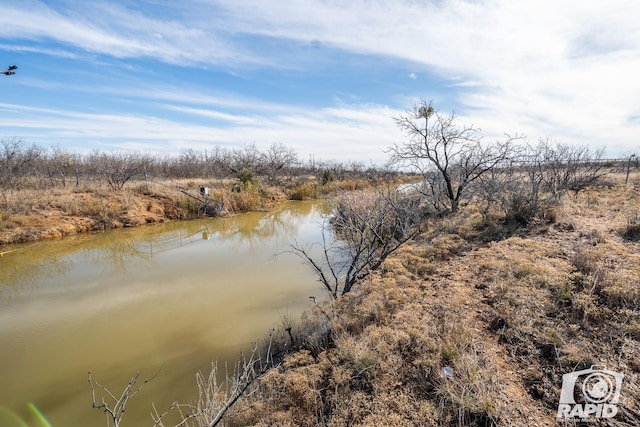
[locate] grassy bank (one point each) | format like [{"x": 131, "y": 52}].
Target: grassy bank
[
  {"x": 473, "y": 323},
  {"x": 31, "y": 214}
]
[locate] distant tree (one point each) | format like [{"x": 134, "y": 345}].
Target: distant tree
[
  {"x": 531, "y": 184},
  {"x": 327, "y": 176},
  {"x": 248, "y": 157},
  {"x": 276, "y": 159},
  {"x": 58, "y": 165},
  {"x": 450, "y": 157},
  {"x": 220, "y": 162},
  {"x": 632, "y": 157},
  {"x": 16, "y": 160},
  {"x": 119, "y": 168},
  {"x": 190, "y": 163},
  {"x": 246, "y": 177},
  {"x": 569, "y": 167}
]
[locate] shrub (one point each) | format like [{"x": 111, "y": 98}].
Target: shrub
[
  {"x": 246, "y": 177},
  {"x": 303, "y": 192},
  {"x": 370, "y": 226},
  {"x": 327, "y": 176}
]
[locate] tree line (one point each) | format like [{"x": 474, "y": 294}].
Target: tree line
[{"x": 23, "y": 165}]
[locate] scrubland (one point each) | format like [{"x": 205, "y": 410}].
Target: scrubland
[
  {"x": 523, "y": 264},
  {"x": 473, "y": 322},
  {"x": 50, "y": 192}
]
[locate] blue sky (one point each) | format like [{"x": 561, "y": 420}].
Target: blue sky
[{"x": 324, "y": 77}]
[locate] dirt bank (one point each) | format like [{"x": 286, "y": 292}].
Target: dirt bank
[
  {"x": 33, "y": 215},
  {"x": 54, "y": 221}
]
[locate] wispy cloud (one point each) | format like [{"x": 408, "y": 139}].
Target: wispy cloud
[
  {"x": 343, "y": 133},
  {"x": 544, "y": 68},
  {"x": 570, "y": 64},
  {"x": 111, "y": 29}
]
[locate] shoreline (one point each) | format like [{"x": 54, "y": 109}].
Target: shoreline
[
  {"x": 51, "y": 223},
  {"x": 35, "y": 215},
  {"x": 462, "y": 326}
]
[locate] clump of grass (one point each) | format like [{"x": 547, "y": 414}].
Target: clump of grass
[
  {"x": 246, "y": 201},
  {"x": 443, "y": 247},
  {"x": 586, "y": 260},
  {"x": 303, "y": 192},
  {"x": 352, "y": 184},
  {"x": 523, "y": 210}
]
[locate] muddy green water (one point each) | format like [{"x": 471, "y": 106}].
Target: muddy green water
[{"x": 171, "y": 297}]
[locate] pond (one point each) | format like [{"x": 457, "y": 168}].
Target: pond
[{"x": 166, "y": 298}]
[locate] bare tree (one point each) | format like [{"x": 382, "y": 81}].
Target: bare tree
[
  {"x": 492, "y": 189},
  {"x": 58, "y": 165},
  {"x": 191, "y": 164},
  {"x": 568, "y": 167},
  {"x": 276, "y": 159},
  {"x": 119, "y": 168},
  {"x": 527, "y": 187},
  {"x": 248, "y": 157},
  {"x": 631, "y": 157},
  {"x": 15, "y": 162},
  {"x": 368, "y": 228},
  {"x": 220, "y": 162},
  {"x": 449, "y": 157}
]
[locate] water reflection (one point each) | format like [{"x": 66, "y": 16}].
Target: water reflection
[
  {"x": 174, "y": 295},
  {"x": 117, "y": 251}
]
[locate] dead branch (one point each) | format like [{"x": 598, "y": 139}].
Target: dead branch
[{"x": 115, "y": 411}]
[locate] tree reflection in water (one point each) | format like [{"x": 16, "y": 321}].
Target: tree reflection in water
[{"x": 116, "y": 251}]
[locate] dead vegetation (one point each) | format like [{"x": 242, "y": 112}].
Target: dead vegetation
[
  {"x": 454, "y": 330},
  {"x": 527, "y": 271},
  {"x": 50, "y": 192},
  {"x": 30, "y": 214}
]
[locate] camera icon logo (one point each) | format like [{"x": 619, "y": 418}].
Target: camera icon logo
[{"x": 590, "y": 393}]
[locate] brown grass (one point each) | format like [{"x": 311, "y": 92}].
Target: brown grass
[
  {"x": 458, "y": 330},
  {"x": 32, "y": 214}
]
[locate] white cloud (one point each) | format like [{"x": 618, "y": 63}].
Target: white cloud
[
  {"x": 541, "y": 67},
  {"x": 348, "y": 132},
  {"x": 110, "y": 29},
  {"x": 413, "y": 76},
  {"x": 544, "y": 67}
]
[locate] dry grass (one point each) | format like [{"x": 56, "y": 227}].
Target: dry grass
[
  {"x": 472, "y": 323},
  {"x": 455, "y": 330},
  {"x": 37, "y": 214},
  {"x": 31, "y": 214}
]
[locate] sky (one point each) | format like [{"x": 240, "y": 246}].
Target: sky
[{"x": 324, "y": 77}]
